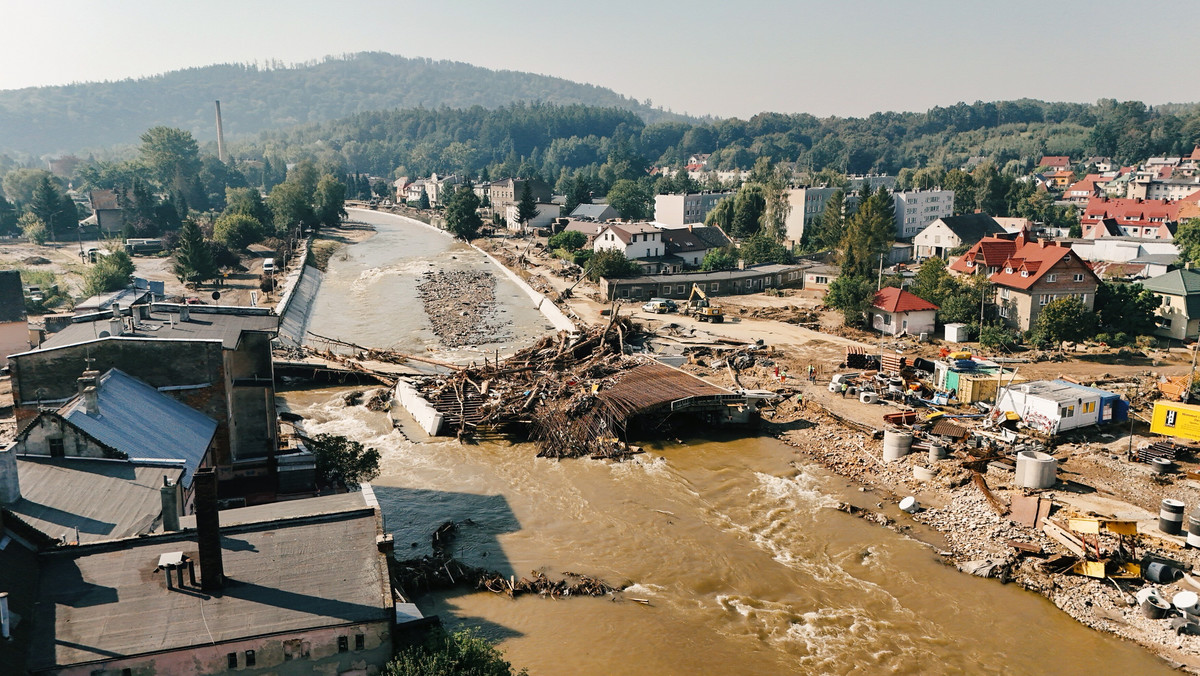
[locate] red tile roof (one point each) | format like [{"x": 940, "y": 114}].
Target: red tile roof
[
  {"x": 896, "y": 300},
  {"x": 1030, "y": 263},
  {"x": 1055, "y": 161},
  {"x": 988, "y": 252},
  {"x": 1129, "y": 211}
]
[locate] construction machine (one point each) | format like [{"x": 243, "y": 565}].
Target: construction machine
[{"x": 697, "y": 305}]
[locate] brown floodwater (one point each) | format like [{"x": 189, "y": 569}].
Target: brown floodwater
[{"x": 731, "y": 540}]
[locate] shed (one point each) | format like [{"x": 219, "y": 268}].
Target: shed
[{"x": 957, "y": 333}]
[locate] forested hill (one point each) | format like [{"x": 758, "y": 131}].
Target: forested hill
[{"x": 44, "y": 120}]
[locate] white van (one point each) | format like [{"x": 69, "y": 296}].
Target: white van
[{"x": 268, "y": 266}]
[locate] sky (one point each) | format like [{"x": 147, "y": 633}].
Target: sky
[{"x": 700, "y": 57}]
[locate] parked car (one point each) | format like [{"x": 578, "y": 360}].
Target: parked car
[
  {"x": 268, "y": 266},
  {"x": 657, "y": 307},
  {"x": 671, "y": 306}
]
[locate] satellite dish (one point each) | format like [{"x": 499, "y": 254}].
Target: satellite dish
[
  {"x": 104, "y": 334},
  {"x": 216, "y": 295}
]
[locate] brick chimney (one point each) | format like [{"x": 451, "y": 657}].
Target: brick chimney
[
  {"x": 208, "y": 530},
  {"x": 88, "y": 379},
  {"x": 170, "y": 496},
  {"x": 91, "y": 400}
]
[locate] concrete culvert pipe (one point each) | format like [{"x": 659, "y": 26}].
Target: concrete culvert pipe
[
  {"x": 1170, "y": 516},
  {"x": 1036, "y": 470},
  {"x": 868, "y": 397},
  {"x": 896, "y": 444}
]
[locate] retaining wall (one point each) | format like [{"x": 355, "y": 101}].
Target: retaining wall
[{"x": 421, "y": 410}]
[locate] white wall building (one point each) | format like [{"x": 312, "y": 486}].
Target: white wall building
[
  {"x": 1051, "y": 407},
  {"x": 635, "y": 240},
  {"x": 917, "y": 209},
  {"x": 683, "y": 209},
  {"x": 546, "y": 213}
]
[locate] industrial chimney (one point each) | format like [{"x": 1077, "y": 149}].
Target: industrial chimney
[
  {"x": 208, "y": 530},
  {"x": 220, "y": 136},
  {"x": 10, "y": 483},
  {"x": 169, "y": 492}
]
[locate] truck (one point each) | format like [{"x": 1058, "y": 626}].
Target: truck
[{"x": 697, "y": 305}]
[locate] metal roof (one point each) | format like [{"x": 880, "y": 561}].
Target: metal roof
[
  {"x": 164, "y": 324},
  {"x": 1175, "y": 283},
  {"x": 105, "y": 600},
  {"x": 288, "y": 509},
  {"x": 104, "y": 499},
  {"x": 138, "y": 420},
  {"x": 126, "y": 297}
]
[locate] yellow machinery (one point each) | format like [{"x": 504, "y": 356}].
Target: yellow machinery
[{"x": 698, "y": 305}]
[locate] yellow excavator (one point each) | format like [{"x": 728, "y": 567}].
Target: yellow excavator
[{"x": 698, "y": 305}]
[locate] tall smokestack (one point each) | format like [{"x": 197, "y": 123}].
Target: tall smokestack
[
  {"x": 220, "y": 136},
  {"x": 208, "y": 530}
]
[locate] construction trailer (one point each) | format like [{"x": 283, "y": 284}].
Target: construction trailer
[
  {"x": 1054, "y": 406},
  {"x": 1173, "y": 419}
]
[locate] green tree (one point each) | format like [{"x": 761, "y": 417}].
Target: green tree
[
  {"x": 110, "y": 273},
  {"x": 462, "y": 213},
  {"x": 852, "y": 295},
  {"x": 722, "y": 214},
  {"x": 19, "y": 184},
  {"x": 329, "y": 201},
  {"x": 290, "y": 207},
  {"x": 719, "y": 259},
  {"x": 237, "y": 230},
  {"x": 247, "y": 201},
  {"x": 868, "y": 235},
  {"x": 46, "y": 203},
  {"x": 762, "y": 249},
  {"x": 630, "y": 200},
  {"x": 1127, "y": 308},
  {"x": 1064, "y": 319},
  {"x": 460, "y": 654},
  {"x": 32, "y": 228},
  {"x": 610, "y": 263},
  {"x": 963, "y": 186},
  {"x": 526, "y": 208},
  {"x": 1187, "y": 238},
  {"x": 174, "y": 159},
  {"x": 934, "y": 283},
  {"x": 749, "y": 205},
  {"x": 777, "y": 207},
  {"x": 423, "y": 202},
  {"x": 193, "y": 258},
  {"x": 8, "y": 216},
  {"x": 825, "y": 233},
  {"x": 570, "y": 240},
  {"x": 577, "y": 193},
  {"x": 344, "y": 461}
]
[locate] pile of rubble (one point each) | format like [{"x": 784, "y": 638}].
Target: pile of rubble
[{"x": 462, "y": 307}]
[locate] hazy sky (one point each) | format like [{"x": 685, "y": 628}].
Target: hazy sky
[{"x": 702, "y": 56}]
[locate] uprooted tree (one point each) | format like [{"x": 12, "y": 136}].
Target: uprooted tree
[{"x": 342, "y": 460}]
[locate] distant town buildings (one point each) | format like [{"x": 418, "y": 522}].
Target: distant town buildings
[
  {"x": 917, "y": 209},
  {"x": 681, "y": 209}
]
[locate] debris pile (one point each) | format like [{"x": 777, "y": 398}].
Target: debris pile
[
  {"x": 553, "y": 386},
  {"x": 462, "y": 306}
]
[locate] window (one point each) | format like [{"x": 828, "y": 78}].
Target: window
[
  {"x": 360, "y": 641},
  {"x": 1089, "y": 407},
  {"x": 231, "y": 658},
  {"x": 1070, "y": 411},
  {"x": 343, "y": 644},
  {"x": 1004, "y": 293},
  {"x": 1079, "y": 277},
  {"x": 1004, "y": 311},
  {"x": 887, "y": 320},
  {"x": 1052, "y": 278},
  {"x": 1024, "y": 273},
  {"x": 250, "y": 659},
  {"x": 1008, "y": 271},
  {"x": 1044, "y": 299},
  {"x": 821, "y": 280},
  {"x": 715, "y": 286},
  {"x": 57, "y": 448}
]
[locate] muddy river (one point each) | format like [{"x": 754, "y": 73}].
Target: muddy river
[{"x": 731, "y": 540}]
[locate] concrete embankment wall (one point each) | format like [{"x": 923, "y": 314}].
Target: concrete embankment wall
[
  {"x": 547, "y": 307},
  {"x": 297, "y": 304},
  {"x": 419, "y": 408}
]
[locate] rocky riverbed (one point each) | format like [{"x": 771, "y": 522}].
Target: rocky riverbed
[
  {"x": 958, "y": 521},
  {"x": 462, "y": 307}
]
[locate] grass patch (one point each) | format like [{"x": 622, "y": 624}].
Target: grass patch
[{"x": 320, "y": 253}]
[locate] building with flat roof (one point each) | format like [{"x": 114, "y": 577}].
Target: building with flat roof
[
  {"x": 687, "y": 208},
  {"x": 751, "y": 279},
  {"x": 918, "y": 209}
]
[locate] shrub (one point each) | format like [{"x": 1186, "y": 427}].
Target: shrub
[
  {"x": 462, "y": 653},
  {"x": 1120, "y": 339},
  {"x": 1104, "y": 338}
]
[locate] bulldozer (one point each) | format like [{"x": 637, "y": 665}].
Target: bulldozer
[{"x": 697, "y": 305}]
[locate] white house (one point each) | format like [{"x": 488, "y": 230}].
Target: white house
[
  {"x": 635, "y": 240},
  {"x": 945, "y": 234},
  {"x": 1051, "y": 406},
  {"x": 546, "y": 213},
  {"x": 896, "y": 311}
]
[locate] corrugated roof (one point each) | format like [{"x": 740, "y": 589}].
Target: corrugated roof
[
  {"x": 104, "y": 499},
  {"x": 652, "y": 385},
  {"x": 142, "y": 422},
  {"x": 282, "y": 577},
  {"x": 971, "y": 228},
  {"x": 596, "y": 212},
  {"x": 288, "y": 509},
  {"x": 162, "y": 324}
]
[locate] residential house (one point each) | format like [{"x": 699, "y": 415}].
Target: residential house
[
  {"x": 691, "y": 244},
  {"x": 595, "y": 212},
  {"x": 1060, "y": 180},
  {"x": 216, "y": 360},
  {"x": 414, "y": 190},
  {"x": 1028, "y": 274},
  {"x": 106, "y": 212},
  {"x": 686, "y": 208},
  {"x": 947, "y": 233},
  {"x": 1178, "y": 315},
  {"x": 508, "y": 192},
  {"x": 635, "y": 240},
  {"x": 400, "y": 188},
  {"x": 589, "y": 228},
  {"x": 1055, "y": 162},
  {"x": 14, "y": 325},
  {"x": 751, "y": 279},
  {"x": 699, "y": 159},
  {"x": 917, "y": 209},
  {"x": 898, "y": 312},
  {"x": 818, "y": 276},
  {"x": 117, "y": 417},
  {"x": 1083, "y": 190},
  {"x": 546, "y": 213},
  {"x": 440, "y": 188},
  {"x": 1162, "y": 187},
  {"x": 1148, "y": 219}
]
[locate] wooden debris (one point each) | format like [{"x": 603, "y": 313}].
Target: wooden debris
[{"x": 995, "y": 503}]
